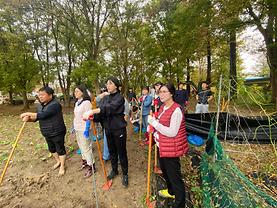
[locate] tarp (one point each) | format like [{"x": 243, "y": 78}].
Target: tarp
[{"x": 239, "y": 128}]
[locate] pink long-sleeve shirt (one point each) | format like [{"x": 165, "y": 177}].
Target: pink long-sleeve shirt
[{"x": 79, "y": 110}]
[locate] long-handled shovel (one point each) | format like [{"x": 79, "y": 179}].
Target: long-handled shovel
[
  {"x": 148, "y": 193},
  {"x": 11, "y": 154},
  {"x": 94, "y": 187},
  {"x": 140, "y": 128},
  {"x": 108, "y": 183},
  {"x": 156, "y": 168}
]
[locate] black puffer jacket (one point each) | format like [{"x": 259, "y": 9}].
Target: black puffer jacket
[
  {"x": 112, "y": 111},
  {"x": 50, "y": 119}
]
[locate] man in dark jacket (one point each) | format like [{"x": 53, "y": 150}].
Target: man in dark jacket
[
  {"x": 112, "y": 112},
  {"x": 50, "y": 117},
  {"x": 132, "y": 96},
  {"x": 181, "y": 96}
]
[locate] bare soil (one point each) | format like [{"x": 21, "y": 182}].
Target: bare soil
[{"x": 29, "y": 183}]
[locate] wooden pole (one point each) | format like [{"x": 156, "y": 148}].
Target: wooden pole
[
  {"x": 99, "y": 151},
  {"x": 11, "y": 153},
  {"x": 149, "y": 164},
  {"x": 156, "y": 149},
  {"x": 140, "y": 129}
]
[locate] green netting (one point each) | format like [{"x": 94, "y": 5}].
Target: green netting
[{"x": 224, "y": 185}]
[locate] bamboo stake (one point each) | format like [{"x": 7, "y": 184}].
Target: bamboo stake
[
  {"x": 11, "y": 153},
  {"x": 149, "y": 164},
  {"x": 140, "y": 129},
  {"x": 108, "y": 183}
]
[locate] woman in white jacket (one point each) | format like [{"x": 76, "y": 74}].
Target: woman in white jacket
[{"x": 82, "y": 105}]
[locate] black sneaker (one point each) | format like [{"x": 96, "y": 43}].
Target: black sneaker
[
  {"x": 112, "y": 174},
  {"x": 125, "y": 180}
]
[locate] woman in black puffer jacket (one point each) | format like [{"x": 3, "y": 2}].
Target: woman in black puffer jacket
[{"x": 111, "y": 111}]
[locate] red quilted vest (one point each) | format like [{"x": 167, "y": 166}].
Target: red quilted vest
[{"x": 172, "y": 146}]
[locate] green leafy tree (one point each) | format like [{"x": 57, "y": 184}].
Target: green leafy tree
[
  {"x": 263, "y": 14},
  {"x": 19, "y": 68}
]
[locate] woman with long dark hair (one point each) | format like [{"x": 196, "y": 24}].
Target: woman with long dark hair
[
  {"x": 171, "y": 139},
  {"x": 83, "y": 105}
]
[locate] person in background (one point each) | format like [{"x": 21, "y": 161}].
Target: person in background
[
  {"x": 157, "y": 99},
  {"x": 146, "y": 101},
  {"x": 126, "y": 109},
  {"x": 106, "y": 154},
  {"x": 51, "y": 122},
  {"x": 132, "y": 98},
  {"x": 82, "y": 105},
  {"x": 156, "y": 104},
  {"x": 181, "y": 96},
  {"x": 112, "y": 112},
  {"x": 171, "y": 140},
  {"x": 203, "y": 98},
  {"x": 126, "y": 105},
  {"x": 135, "y": 118}
]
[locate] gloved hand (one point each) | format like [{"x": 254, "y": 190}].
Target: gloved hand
[
  {"x": 152, "y": 121},
  {"x": 88, "y": 115},
  {"x": 86, "y": 132},
  {"x": 141, "y": 99}
]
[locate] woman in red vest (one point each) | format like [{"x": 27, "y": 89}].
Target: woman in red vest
[{"x": 171, "y": 139}]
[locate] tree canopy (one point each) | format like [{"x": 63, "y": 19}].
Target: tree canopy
[{"x": 71, "y": 42}]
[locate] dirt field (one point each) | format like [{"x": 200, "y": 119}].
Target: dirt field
[{"x": 29, "y": 183}]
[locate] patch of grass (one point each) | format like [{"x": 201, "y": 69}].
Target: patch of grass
[
  {"x": 3, "y": 157},
  {"x": 5, "y": 142},
  {"x": 42, "y": 146}
]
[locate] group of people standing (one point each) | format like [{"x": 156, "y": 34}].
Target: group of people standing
[{"x": 169, "y": 125}]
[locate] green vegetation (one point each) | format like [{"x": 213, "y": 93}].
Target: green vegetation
[{"x": 71, "y": 42}]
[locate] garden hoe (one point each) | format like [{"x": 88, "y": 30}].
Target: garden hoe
[
  {"x": 108, "y": 183},
  {"x": 140, "y": 127},
  {"x": 148, "y": 193},
  {"x": 11, "y": 154},
  {"x": 94, "y": 187},
  {"x": 156, "y": 168}
]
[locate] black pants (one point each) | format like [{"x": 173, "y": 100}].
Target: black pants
[
  {"x": 172, "y": 173},
  {"x": 56, "y": 144},
  {"x": 117, "y": 148}
]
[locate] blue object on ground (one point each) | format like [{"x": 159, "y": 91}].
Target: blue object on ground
[
  {"x": 195, "y": 140},
  {"x": 78, "y": 151},
  {"x": 136, "y": 129}
]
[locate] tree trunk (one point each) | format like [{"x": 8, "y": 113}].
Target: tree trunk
[
  {"x": 188, "y": 76},
  {"x": 209, "y": 62},
  {"x": 25, "y": 101},
  {"x": 272, "y": 62},
  {"x": 125, "y": 82},
  {"x": 269, "y": 33},
  {"x": 47, "y": 65},
  {"x": 68, "y": 79},
  {"x": 233, "y": 65},
  {"x": 10, "y": 97},
  {"x": 97, "y": 86}
]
